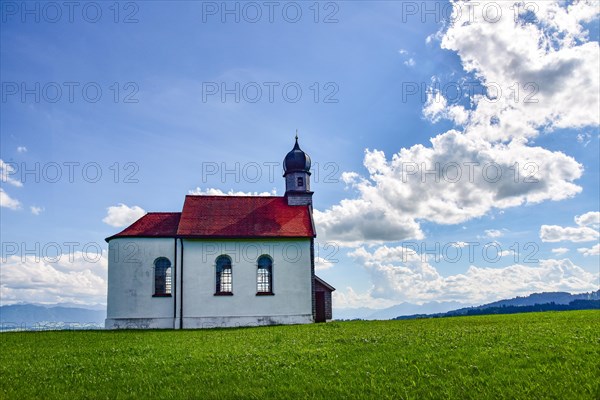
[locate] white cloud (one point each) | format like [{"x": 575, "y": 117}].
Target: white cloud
[
  {"x": 584, "y": 138},
  {"x": 6, "y": 170},
  {"x": 437, "y": 36},
  {"x": 349, "y": 298},
  {"x": 218, "y": 192},
  {"x": 587, "y": 230},
  {"x": 69, "y": 278},
  {"x": 353, "y": 222},
  {"x": 8, "y": 202},
  {"x": 591, "y": 218},
  {"x": 555, "y": 233},
  {"x": 555, "y": 68},
  {"x": 36, "y": 210},
  {"x": 551, "y": 63},
  {"x": 470, "y": 178},
  {"x": 437, "y": 108},
  {"x": 592, "y": 251},
  {"x": 493, "y": 233},
  {"x": 399, "y": 274},
  {"x": 21, "y": 149},
  {"x": 122, "y": 215},
  {"x": 409, "y": 61},
  {"x": 506, "y": 253},
  {"x": 560, "y": 250},
  {"x": 322, "y": 264}
]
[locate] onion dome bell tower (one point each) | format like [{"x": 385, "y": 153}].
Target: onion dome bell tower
[{"x": 296, "y": 171}]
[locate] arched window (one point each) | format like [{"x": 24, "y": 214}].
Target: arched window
[
  {"x": 264, "y": 277},
  {"x": 224, "y": 275},
  {"x": 162, "y": 277}
]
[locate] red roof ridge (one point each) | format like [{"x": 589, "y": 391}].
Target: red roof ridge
[
  {"x": 243, "y": 217},
  {"x": 239, "y": 196},
  {"x": 218, "y": 216}
]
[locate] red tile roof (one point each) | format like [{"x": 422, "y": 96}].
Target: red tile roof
[
  {"x": 243, "y": 216},
  {"x": 226, "y": 217},
  {"x": 155, "y": 224}
]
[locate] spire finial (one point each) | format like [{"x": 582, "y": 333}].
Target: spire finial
[{"x": 296, "y": 134}]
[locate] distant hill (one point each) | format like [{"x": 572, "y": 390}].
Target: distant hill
[
  {"x": 393, "y": 311},
  {"x": 544, "y": 298},
  {"x": 30, "y": 315},
  {"x": 547, "y": 301}
]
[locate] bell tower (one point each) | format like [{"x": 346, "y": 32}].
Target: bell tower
[{"x": 296, "y": 171}]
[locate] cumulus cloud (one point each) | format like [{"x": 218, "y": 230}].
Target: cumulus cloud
[
  {"x": 543, "y": 73},
  {"x": 219, "y": 192},
  {"x": 123, "y": 215},
  {"x": 587, "y": 230},
  {"x": 78, "y": 277},
  {"x": 401, "y": 275},
  {"x": 8, "y": 202},
  {"x": 560, "y": 250},
  {"x": 437, "y": 108},
  {"x": 555, "y": 233},
  {"x": 322, "y": 264},
  {"x": 591, "y": 218},
  {"x": 349, "y": 298},
  {"x": 493, "y": 233},
  {"x": 592, "y": 251},
  {"x": 353, "y": 222},
  {"x": 491, "y": 162},
  {"x": 21, "y": 149},
  {"x": 457, "y": 179}
]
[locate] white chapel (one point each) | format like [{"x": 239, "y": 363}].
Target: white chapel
[{"x": 223, "y": 261}]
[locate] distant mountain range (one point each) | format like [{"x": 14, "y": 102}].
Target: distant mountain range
[
  {"x": 547, "y": 301},
  {"x": 36, "y": 316},
  {"x": 456, "y": 308},
  {"x": 396, "y": 310},
  {"x": 544, "y": 298}
]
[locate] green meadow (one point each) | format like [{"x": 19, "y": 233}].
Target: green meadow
[{"x": 551, "y": 355}]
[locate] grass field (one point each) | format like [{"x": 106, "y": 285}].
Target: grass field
[{"x": 522, "y": 356}]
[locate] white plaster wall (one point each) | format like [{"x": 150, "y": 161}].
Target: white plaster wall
[
  {"x": 131, "y": 283},
  {"x": 292, "y": 299},
  {"x": 246, "y": 321}
]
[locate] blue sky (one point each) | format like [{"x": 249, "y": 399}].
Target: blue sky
[{"x": 162, "y": 122}]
